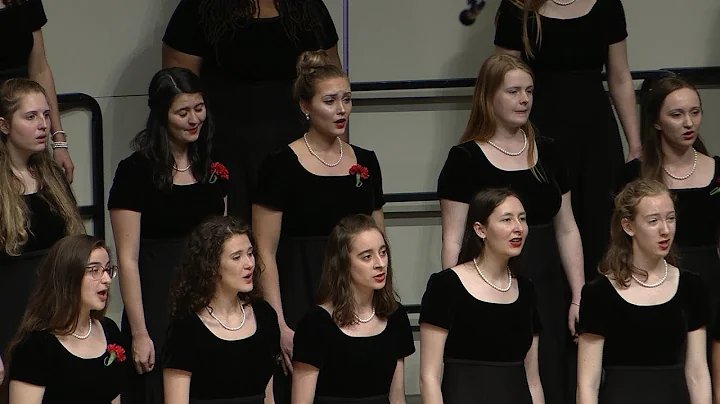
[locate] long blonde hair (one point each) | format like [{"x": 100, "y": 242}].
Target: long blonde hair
[
  {"x": 483, "y": 123},
  {"x": 14, "y": 214},
  {"x": 530, "y": 9}
]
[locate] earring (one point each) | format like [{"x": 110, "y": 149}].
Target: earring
[{"x": 307, "y": 116}]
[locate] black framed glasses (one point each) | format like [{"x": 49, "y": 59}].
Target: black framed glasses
[{"x": 97, "y": 271}]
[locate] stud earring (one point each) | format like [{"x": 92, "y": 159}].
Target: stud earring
[{"x": 307, "y": 117}]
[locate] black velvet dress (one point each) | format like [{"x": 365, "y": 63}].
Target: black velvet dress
[
  {"x": 486, "y": 342},
  {"x": 654, "y": 374},
  {"x": 567, "y": 65},
  {"x": 18, "y": 274},
  {"x": 468, "y": 171},
  {"x": 224, "y": 371},
  {"x": 249, "y": 75},
  {"x": 167, "y": 219},
  {"x": 17, "y": 24},
  {"x": 352, "y": 369}
]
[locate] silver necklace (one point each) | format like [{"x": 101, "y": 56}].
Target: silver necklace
[
  {"x": 223, "y": 324},
  {"x": 565, "y": 3},
  {"x": 482, "y": 275},
  {"x": 656, "y": 284},
  {"x": 318, "y": 157},
  {"x": 365, "y": 320},
  {"x": 684, "y": 177},
  {"x": 86, "y": 335},
  {"x": 510, "y": 153},
  {"x": 181, "y": 169}
]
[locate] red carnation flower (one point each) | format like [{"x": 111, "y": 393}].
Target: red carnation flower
[
  {"x": 218, "y": 170},
  {"x": 116, "y": 352},
  {"x": 359, "y": 172}
]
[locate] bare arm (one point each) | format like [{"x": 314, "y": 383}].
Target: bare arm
[
  {"x": 623, "y": 96},
  {"x": 532, "y": 373},
  {"x": 334, "y": 56},
  {"x": 590, "y": 353},
  {"x": 571, "y": 255},
  {"x": 267, "y": 224},
  {"x": 716, "y": 370},
  {"x": 696, "y": 367},
  {"x": 432, "y": 346},
  {"x": 175, "y": 58},
  {"x": 379, "y": 218},
  {"x": 176, "y": 385},
  {"x": 25, "y": 393},
  {"x": 454, "y": 215},
  {"x": 116, "y": 400},
  {"x": 397, "y": 388},
  {"x": 269, "y": 395},
  {"x": 503, "y": 51},
  {"x": 39, "y": 71},
  {"x": 126, "y": 232},
  {"x": 304, "y": 381}
]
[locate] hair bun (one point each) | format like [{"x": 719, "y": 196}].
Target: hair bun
[{"x": 309, "y": 61}]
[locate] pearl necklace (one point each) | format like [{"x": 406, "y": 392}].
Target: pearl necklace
[
  {"x": 490, "y": 283},
  {"x": 86, "y": 335},
  {"x": 510, "y": 153},
  {"x": 365, "y": 320},
  {"x": 656, "y": 284},
  {"x": 182, "y": 170},
  {"x": 684, "y": 177},
  {"x": 318, "y": 157},
  {"x": 565, "y": 3},
  {"x": 223, "y": 324}
]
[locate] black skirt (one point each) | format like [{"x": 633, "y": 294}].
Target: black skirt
[
  {"x": 588, "y": 143},
  {"x": 467, "y": 381},
  {"x": 644, "y": 385},
  {"x": 259, "y": 399},
  {"x": 300, "y": 262},
  {"x": 156, "y": 263},
  {"x": 363, "y": 400},
  {"x": 540, "y": 261},
  {"x": 251, "y": 121},
  {"x": 17, "y": 281}
]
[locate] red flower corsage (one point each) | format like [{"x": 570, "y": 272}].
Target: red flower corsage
[
  {"x": 717, "y": 187},
  {"x": 116, "y": 352},
  {"x": 359, "y": 172},
  {"x": 218, "y": 170}
]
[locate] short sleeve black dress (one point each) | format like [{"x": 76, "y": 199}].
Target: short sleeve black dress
[
  {"x": 468, "y": 171},
  {"x": 167, "y": 219},
  {"x": 352, "y": 369},
  {"x": 697, "y": 234},
  {"x": 249, "y": 73},
  {"x": 569, "y": 62},
  {"x": 486, "y": 342},
  {"x": 654, "y": 374},
  {"x": 17, "y": 23},
  {"x": 18, "y": 273},
  {"x": 41, "y": 360},
  {"x": 311, "y": 205},
  {"x": 223, "y": 370}
]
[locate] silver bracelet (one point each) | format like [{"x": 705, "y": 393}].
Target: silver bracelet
[
  {"x": 60, "y": 145},
  {"x": 57, "y": 132},
  {"x": 576, "y": 304}
]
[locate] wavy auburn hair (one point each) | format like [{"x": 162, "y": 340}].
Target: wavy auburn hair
[
  {"x": 198, "y": 273},
  {"x": 336, "y": 280},
  {"x": 618, "y": 261}
]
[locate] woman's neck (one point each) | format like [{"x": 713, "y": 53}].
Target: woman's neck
[
  {"x": 225, "y": 303},
  {"x": 180, "y": 154},
  {"x": 493, "y": 265},
  {"x": 363, "y": 300},
  {"x": 505, "y": 133},
  {"x": 83, "y": 323},
  {"x": 321, "y": 143},
  {"x": 676, "y": 155},
  {"x": 19, "y": 159},
  {"x": 652, "y": 264}
]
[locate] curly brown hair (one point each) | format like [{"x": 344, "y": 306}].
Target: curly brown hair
[
  {"x": 335, "y": 281},
  {"x": 198, "y": 273}
]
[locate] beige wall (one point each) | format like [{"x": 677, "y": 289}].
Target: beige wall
[{"x": 110, "y": 50}]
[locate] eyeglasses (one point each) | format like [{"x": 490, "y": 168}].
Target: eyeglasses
[{"x": 97, "y": 271}]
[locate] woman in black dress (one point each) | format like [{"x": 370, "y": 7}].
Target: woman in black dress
[
  {"x": 499, "y": 149},
  {"x": 642, "y": 322},
  {"x": 675, "y": 156},
  {"x": 224, "y": 340},
  {"x": 304, "y": 190},
  {"x": 567, "y": 43},
  {"x": 246, "y": 52},
  {"x": 351, "y": 348},
  {"x": 22, "y": 55},
  {"x": 480, "y": 320},
  {"x": 159, "y": 194},
  {"x": 37, "y": 207},
  {"x": 66, "y": 350}
]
